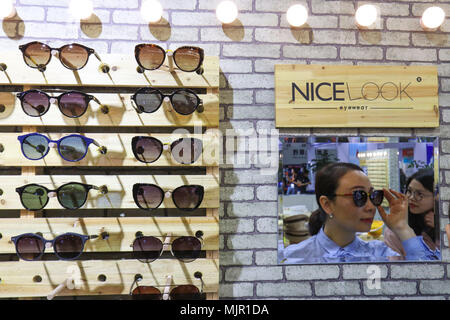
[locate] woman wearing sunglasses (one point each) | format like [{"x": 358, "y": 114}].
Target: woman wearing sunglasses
[
  {"x": 347, "y": 205},
  {"x": 421, "y": 213}
]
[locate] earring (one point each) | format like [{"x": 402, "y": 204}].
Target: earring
[{"x": 331, "y": 216}]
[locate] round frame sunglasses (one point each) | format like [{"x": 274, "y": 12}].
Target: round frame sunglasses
[
  {"x": 149, "y": 149},
  {"x": 67, "y": 246},
  {"x": 148, "y": 196},
  {"x": 72, "y": 104},
  {"x": 149, "y": 248},
  {"x": 187, "y": 58},
  {"x": 360, "y": 197},
  {"x": 183, "y": 101},
  {"x": 74, "y": 56},
  {"x": 72, "y": 195},
  {"x": 74, "y": 147}
]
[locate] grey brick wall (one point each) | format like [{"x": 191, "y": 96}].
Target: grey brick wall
[{"x": 248, "y": 51}]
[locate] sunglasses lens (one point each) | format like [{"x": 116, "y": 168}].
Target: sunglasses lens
[
  {"x": 146, "y": 293},
  {"x": 148, "y": 100},
  {"x": 35, "y": 147},
  {"x": 72, "y": 196},
  {"x": 188, "y": 197},
  {"x": 147, "y": 249},
  {"x": 73, "y": 104},
  {"x": 29, "y": 247},
  {"x": 187, "y": 59},
  {"x": 147, "y": 149},
  {"x": 68, "y": 246},
  {"x": 185, "y": 292},
  {"x": 148, "y": 196},
  {"x": 377, "y": 197},
  {"x": 34, "y": 197},
  {"x": 186, "y": 150},
  {"x": 73, "y": 148},
  {"x": 185, "y": 102},
  {"x": 37, "y": 54},
  {"x": 35, "y": 103},
  {"x": 150, "y": 57},
  {"x": 186, "y": 249},
  {"x": 360, "y": 198},
  {"x": 73, "y": 56}
]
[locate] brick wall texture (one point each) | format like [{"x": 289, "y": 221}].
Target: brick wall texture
[{"x": 248, "y": 50}]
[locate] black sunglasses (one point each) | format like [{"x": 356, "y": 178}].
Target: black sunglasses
[
  {"x": 184, "y": 150},
  {"x": 72, "y": 104},
  {"x": 67, "y": 246},
  {"x": 72, "y": 195},
  {"x": 149, "y": 196},
  {"x": 184, "y": 101},
  {"x": 72, "y": 56},
  {"x": 360, "y": 197}
]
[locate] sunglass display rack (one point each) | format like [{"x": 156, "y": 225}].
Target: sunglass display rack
[{"x": 92, "y": 274}]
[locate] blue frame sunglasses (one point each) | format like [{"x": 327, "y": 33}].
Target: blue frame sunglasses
[{"x": 74, "y": 147}]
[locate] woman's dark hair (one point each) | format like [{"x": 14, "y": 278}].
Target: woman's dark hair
[
  {"x": 326, "y": 183},
  {"x": 417, "y": 221}
]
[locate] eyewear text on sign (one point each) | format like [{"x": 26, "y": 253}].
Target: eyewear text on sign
[{"x": 340, "y": 91}]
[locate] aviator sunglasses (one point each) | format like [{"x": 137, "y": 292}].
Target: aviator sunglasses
[
  {"x": 186, "y": 58},
  {"x": 149, "y": 196},
  {"x": 72, "y": 56},
  {"x": 180, "y": 292},
  {"x": 73, "y": 147},
  {"x": 149, "y": 248},
  {"x": 72, "y": 104},
  {"x": 184, "y": 101},
  {"x": 360, "y": 197},
  {"x": 184, "y": 150},
  {"x": 72, "y": 195},
  {"x": 67, "y": 246}
]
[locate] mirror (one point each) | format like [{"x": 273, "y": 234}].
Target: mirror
[{"x": 357, "y": 221}]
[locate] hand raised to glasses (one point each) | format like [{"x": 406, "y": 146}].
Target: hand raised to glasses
[{"x": 397, "y": 219}]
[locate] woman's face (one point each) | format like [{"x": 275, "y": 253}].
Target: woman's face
[
  {"x": 346, "y": 215},
  {"x": 420, "y": 200}
]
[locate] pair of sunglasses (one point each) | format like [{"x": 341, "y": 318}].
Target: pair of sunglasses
[
  {"x": 186, "y": 58},
  {"x": 184, "y": 101},
  {"x": 149, "y": 196},
  {"x": 183, "y": 150},
  {"x": 67, "y": 246},
  {"x": 181, "y": 292},
  {"x": 73, "y": 147},
  {"x": 72, "y": 104},
  {"x": 73, "y": 56},
  {"x": 148, "y": 248},
  {"x": 360, "y": 197},
  {"x": 72, "y": 195}
]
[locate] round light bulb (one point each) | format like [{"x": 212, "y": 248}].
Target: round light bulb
[
  {"x": 297, "y": 15},
  {"x": 7, "y": 9},
  {"x": 433, "y": 17},
  {"x": 366, "y": 15},
  {"x": 81, "y": 9},
  {"x": 151, "y": 11},
  {"x": 227, "y": 11}
]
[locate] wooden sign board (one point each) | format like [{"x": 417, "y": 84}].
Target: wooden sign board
[{"x": 356, "y": 96}]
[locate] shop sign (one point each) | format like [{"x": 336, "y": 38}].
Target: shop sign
[{"x": 356, "y": 96}]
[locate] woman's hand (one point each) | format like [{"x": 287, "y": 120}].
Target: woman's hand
[
  {"x": 429, "y": 219},
  {"x": 397, "y": 219}
]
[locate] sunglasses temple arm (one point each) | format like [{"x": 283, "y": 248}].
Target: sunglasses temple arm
[
  {"x": 97, "y": 56},
  {"x": 167, "y": 288},
  {"x": 102, "y": 189},
  {"x": 101, "y": 149},
  {"x": 32, "y": 146},
  {"x": 135, "y": 107}
]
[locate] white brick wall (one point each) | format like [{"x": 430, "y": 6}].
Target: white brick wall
[{"x": 248, "y": 50}]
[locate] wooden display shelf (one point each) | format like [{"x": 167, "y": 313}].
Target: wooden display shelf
[
  {"x": 121, "y": 231},
  {"x": 119, "y": 151},
  {"x": 120, "y": 189},
  {"x": 19, "y": 277},
  {"x": 122, "y": 73},
  {"x": 120, "y": 113}
]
